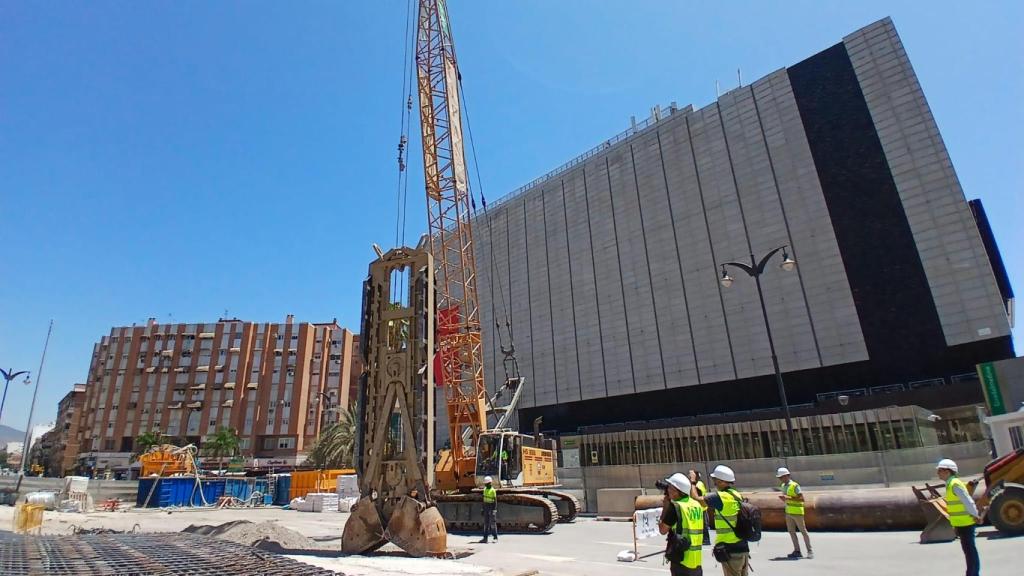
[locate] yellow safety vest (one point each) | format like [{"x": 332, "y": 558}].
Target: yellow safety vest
[
  {"x": 958, "y": 515},
  {"x": 701, "y": 491},
  {"x": 730, "y": 511},
  {"x": 490, "y": 495},
  {"x": 793, "y": 506},
  {"x": 690, "y": 524}
]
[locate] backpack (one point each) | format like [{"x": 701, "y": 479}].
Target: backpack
[{"x": 748, "y": 521}]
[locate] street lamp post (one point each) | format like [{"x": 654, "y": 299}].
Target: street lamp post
[
  {"x": 8, "y": 376},
  {"x": 755, "y": 269}
]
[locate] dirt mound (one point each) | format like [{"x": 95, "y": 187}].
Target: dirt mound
[{"x": 265, "y": 535}]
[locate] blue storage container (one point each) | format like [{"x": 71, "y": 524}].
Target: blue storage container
[
  {"x": 237, "y": 487},
  {"x": 284, "y": 488},
  {"x": 213, "y": 489},
  {"x": 168, "y": 492},
  {"x": 145, "y": 485}
]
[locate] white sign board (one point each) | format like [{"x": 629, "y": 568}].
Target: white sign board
[{"x": 645, "y": 523}]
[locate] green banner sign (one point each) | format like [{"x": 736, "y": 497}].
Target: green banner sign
[{"x": 990, "y": 385}]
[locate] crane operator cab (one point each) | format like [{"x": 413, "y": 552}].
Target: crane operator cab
[{"x": 513, "y": 459}]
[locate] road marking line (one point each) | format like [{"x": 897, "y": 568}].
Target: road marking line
[
  {"x": 549, "y": 558},
  {"x": 630, "y": 544}
]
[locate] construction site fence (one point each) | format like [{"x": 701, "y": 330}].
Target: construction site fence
[
  {"x": 876, "y": 469},
  {"x": 98, "y": 489},
  {"x": 305, "y": 482}
]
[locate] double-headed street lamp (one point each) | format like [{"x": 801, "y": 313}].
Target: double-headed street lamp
[
  {"x": 755, "y": 269},
  {"x": 8, "y": 376}
]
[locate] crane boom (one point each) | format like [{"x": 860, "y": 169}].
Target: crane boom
[{"x": 458, "y": 339}]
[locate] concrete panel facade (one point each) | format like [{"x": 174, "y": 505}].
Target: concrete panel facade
[
  {"x": 612, "y": 264},
  {"x": 954, "y": 259}
]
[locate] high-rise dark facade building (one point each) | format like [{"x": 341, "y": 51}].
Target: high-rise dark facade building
[{"x": 609, "y": 267}]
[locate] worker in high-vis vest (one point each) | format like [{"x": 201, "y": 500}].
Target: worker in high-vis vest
[
  {"x": 490, "y": 510},
  {"x": 725, "y": 503},
  {"x": 963, "y": 512},
  {"x": 685, "y": 516},
  {"x": 793, "y": 497},
  {"x": 699, "y": 490}
]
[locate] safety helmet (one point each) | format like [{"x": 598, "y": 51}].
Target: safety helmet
[
  {"x": 782, "y": 472},
  {"x": 948, "y": 465},
  {"x": 724, "y": 473},
  {"x": 680, "y": 482},
  {"x": 487, "y": 480}
]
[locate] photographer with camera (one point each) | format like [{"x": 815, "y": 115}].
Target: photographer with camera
[
  {"x": 682, "y": 519},
  {"x": 731, "y": 551}
]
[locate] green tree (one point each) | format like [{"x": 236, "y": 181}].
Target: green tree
[
  {"x": 335, "y": 448},
  {"x": 145, "y": 441},
  {"x": 223, "y": 442}
]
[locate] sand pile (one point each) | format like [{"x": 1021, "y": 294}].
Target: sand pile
[{"x": 265, "y": 535}]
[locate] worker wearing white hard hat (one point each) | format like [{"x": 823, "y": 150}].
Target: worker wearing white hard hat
[
  {"x": 490, "y": 510},
  {"x": 725, "y": 503},
  {"x": 963, "y": 512},
  {"x": 793, "y": 498},
  {"x": 682, "y": 514}
]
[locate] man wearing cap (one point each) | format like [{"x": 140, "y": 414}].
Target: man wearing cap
[
  {"x": 490, "y": 510},
  {"x": 684, "y": 515},
  {"x": 726, "y": 505},
  {"x": 963, "y": 513},
  {"x": 794, "y": 500}
]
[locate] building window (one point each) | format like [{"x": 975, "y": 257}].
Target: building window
[{"x": 285, "y": 443}]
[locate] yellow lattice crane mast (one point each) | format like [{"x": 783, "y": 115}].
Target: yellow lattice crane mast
[{"x": 457, "y": 339}]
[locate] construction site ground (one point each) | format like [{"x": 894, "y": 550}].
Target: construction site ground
[{"x": 586, "y": 547}]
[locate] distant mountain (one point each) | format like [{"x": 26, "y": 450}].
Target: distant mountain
[{"x": 8, "y": 434}]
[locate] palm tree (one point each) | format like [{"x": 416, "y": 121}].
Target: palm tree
[
  {"x": 335, "y": 448},
  {"x": 145, "y": 441},
  {"x": 223, "y": 442}
]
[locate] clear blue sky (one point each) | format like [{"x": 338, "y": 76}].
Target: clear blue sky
[{"x": 176, "y": 159}]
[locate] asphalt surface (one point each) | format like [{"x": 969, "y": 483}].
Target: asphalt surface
[{"x": 589, "y": 547}]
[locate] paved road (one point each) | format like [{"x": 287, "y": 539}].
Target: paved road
[{"x": 589, "y": 547}]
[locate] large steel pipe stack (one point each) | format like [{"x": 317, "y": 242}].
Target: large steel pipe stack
[{"x": 866, "y": 509}]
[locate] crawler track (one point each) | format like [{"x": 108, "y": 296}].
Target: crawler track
[
  {"x": 517, "y": 512},
  {"x": 567, "y": 504}
]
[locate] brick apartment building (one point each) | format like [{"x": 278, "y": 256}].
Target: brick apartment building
[
  {"x": 60, "y": 445},
  {"x": 268, "y": 381}
]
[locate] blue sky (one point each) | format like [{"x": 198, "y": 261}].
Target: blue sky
[{"x": 180, "y": 159}]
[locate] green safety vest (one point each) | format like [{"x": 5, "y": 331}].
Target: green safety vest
[
  {"x": 504, "y": 456},
  {"x": 793, "y": 506},
  {"x": 730, "y": 511},
  {"x": 958, "y": 515},
  {"x": 490, "y": 495},
  {"x": 690, "y": 524}
]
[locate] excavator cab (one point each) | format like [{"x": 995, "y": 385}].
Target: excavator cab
[{"x": 500, "y": 456}]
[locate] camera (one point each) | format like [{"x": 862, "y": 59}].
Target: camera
[{"x": 661, "y": 485}]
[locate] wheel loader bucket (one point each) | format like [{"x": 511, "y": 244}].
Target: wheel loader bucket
[
  {"x": 417, "y": 529},
  {"x": 937, "y": 527},
  {"x": 363, "y": 530}
]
